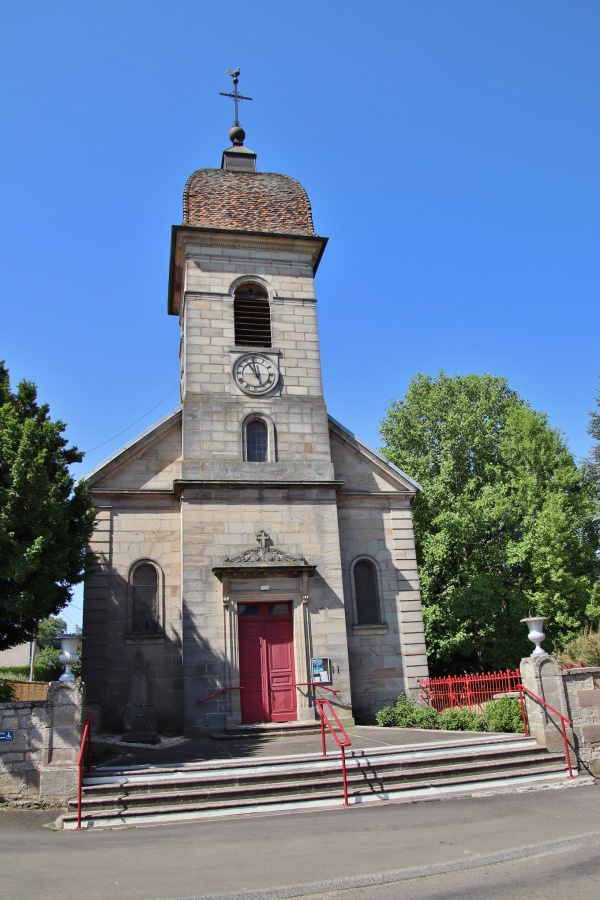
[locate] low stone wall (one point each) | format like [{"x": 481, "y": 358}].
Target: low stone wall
[
  {"x": 40, "y": 762},
  {"x": 582, "y": 688},
  {"x": 576, "y": 694}
]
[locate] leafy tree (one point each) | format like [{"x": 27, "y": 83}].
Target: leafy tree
[
  {"x": 46, "y": 519},
  {"x": 505, "y": 524},
  {"x": 592, "y": 464},
  {"x": 50, "y": 630}
]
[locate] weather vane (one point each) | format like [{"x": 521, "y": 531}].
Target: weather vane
[{"x": 235, "y": 96}]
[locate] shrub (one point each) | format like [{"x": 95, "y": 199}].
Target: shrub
[
  {"x": 15, "y": 673},
  {"x": 427, "y": 717},
  {"x": 46, "y": 666},
  {"x": 405, "y": 711},
  {"x": 7, "y": 693},
  {"x": 461, "y": 720},
  {"x": 500, "y": 715},
  {"x": 583, "y": 650},
  {"x": 386, "y": 717},
  {"x": 503, "y": 715}
]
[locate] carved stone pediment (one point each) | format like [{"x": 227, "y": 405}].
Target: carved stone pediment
[{"x": 265, "y": 556}]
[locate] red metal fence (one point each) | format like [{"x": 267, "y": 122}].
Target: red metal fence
[{"x": 467, "y": 690}]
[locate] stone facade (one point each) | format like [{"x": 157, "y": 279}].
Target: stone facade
[
  {"x": 184, "y": 496},
  {"x": 40, "y": 762}
]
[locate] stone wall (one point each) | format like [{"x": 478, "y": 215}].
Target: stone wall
[
  {"x": 582, "y": 687},
  {"x": 40, "y": 763},
  {"x": 576, "y": 694}
]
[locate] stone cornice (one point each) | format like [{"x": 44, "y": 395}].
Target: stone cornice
[{"x": 183, "y": 235}]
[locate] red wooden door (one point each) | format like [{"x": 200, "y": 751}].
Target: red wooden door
[{"x": 267, "y": 662}]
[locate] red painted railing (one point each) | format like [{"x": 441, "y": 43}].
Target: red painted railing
[
  {"x": 342, "y": 742},
  {"x": 216, "y": 694},
  {"x": 467, "y": 690},
  {"x": 86, "y": 737},
  {"x": 563, "y": 719},
  {"x": 316, "y": 684}
]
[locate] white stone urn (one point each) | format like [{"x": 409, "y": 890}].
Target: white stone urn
[
  {"x": 68, "y": 656},
  {"x": 536, "y": 633}
]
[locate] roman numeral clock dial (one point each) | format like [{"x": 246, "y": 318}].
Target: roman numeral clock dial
[{"x": 255, "y": 374}]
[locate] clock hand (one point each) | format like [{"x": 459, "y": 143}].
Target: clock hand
[{"x": 256, "y": 372}]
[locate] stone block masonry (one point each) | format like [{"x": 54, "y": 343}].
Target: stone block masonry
[
  {"x": 40, "y": 763},
  {"x": 576, "y": 693}
]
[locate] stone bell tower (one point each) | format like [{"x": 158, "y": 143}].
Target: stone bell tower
[{"x": 256, "y": 449}]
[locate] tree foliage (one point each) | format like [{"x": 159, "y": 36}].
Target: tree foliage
[
  {"x": 592, "y": 464},
  {"x": 46, "y": 519},
  {"x": 505, "y": 524}
]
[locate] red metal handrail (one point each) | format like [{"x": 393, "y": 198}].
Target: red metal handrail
[
  {"x": 86, "y": 736},
  {"x": 342, "y": 744},
  {"x": 216, "y": 694},
  {"x": 316, "y": 684},
  {"x": 522, "y": 689}
]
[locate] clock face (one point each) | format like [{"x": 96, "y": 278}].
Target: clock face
[{"x": 255, "y": 373}]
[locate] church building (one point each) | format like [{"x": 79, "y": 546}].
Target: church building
[{"x": 252, "y": 549}]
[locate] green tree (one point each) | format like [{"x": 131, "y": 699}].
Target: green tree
[
  {"x": 46, "y": 519},
  {"x": 505, "y": 523},
  {"x": 592, "y": 464}
]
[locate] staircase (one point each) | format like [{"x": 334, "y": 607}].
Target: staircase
[{"x": 146, "y": 795}]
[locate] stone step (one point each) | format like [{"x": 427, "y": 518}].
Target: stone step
[
  {"x": 268, "y": 729},
  {"x": 251, "y": 791},
  {"x": 302, "y": 772},
  {"x": 408, "y": 792},
  {"x": 140, "y": 795},
  {"x": 444, "y": 754}
]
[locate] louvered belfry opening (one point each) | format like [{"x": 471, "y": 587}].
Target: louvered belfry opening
[{"x": 252, "y": 315}]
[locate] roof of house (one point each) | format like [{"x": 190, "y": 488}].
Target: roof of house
[{"x": 247, "y": 201}]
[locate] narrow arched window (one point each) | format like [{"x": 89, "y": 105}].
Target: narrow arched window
[
  {"x": 145, "y": 608},
  {"x": 366, "y": 593},
  {"x": 252, "y": 316},
  {"x": 257, "y": 441}
]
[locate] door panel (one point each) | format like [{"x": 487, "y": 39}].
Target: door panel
[
  {"x": 252, "y": 675},
  {"x": 267, "y": 663}
]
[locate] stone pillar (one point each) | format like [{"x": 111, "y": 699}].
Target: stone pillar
[
  {"x": 543, "y": 676},
  {"x": 64, "y": 707}
]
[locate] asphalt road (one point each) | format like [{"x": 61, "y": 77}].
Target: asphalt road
[{"x": 527, "y": 845}]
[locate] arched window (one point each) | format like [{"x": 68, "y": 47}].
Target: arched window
[
  {"x": 145, "y": 601},
  {"x": 257, "y": 441},
  {"x": 366, "y": 593},
  {"x": 252, "y": 316}
]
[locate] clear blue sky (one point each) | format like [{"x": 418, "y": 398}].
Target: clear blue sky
[{"x": 450, "y": 150}]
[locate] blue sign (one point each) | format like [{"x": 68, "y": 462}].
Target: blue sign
[{"x": 6, "y": 735}]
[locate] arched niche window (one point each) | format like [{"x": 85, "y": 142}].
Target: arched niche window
[
  {"x": 365, "y": 582},
  {"x": 252, "y": 316},
  {"x": 257, "y": 441},
  {"x": 145, "y": 599}
]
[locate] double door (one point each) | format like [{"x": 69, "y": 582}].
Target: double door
[{"x": 266, "y": 643}]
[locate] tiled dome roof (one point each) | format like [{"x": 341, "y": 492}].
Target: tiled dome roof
[{"x": 247, "y": 201}]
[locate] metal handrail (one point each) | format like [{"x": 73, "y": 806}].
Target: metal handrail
[
  {"x": 521, "y": 688},
  {"x": 320, "y": 703},
  {"x": 86, "y": 736},
  {"x": 216, "y": 694},
  {"x": 316, "y": 684}
]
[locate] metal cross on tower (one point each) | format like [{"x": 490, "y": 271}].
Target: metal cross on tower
[{"x": 235, "y": 96}]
